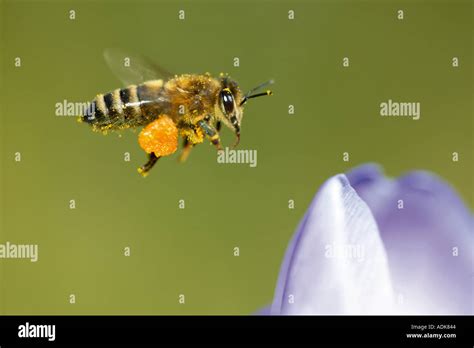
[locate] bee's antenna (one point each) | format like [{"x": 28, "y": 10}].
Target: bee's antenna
[
  {"x": 249, "y": 94},
  {"x": 259, "y": 86}
]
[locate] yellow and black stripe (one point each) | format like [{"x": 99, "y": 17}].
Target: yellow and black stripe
[{"x": 132, "y": 106}]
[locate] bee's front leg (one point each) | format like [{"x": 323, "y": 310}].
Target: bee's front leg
[{"x": 211, "y": 133}]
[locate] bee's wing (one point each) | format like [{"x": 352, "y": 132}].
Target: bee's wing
[{"x": 133, "y": 69}]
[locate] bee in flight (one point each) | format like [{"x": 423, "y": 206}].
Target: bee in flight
[{"x": 189, "y": 106}]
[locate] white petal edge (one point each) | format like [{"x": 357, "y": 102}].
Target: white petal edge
[{"x": 336, "y": 262}]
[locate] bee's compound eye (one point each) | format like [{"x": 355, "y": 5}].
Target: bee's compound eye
[{"x": 227, "y": 100}]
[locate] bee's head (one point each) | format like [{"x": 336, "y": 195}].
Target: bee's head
[{"x": 230, "y": 103}]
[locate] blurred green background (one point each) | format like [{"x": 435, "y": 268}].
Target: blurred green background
[{"x": 190, "y": 251}]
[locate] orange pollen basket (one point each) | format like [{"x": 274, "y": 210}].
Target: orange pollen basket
[{"x": 160, "y": 137}]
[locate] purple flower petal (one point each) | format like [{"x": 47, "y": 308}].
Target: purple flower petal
[
  {"x": 428, "y": 234},
  {"x": 336, "y": 263},
  {"x": 263, "y": 311}
]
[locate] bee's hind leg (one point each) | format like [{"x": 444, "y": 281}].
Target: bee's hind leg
[
  {"x": 152, "y": 159},
  {"x": 159, "y": 138}
]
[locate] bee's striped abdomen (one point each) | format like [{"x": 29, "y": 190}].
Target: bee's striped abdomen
[
  {"x": 132, "y": 106},
  {"x": 151, "y": 103},
  {"x": 113, "y": 104},
  {"x": 126, "y": 97}
]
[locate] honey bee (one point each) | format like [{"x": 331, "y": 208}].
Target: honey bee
[{"x": 189, "y": 106}]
